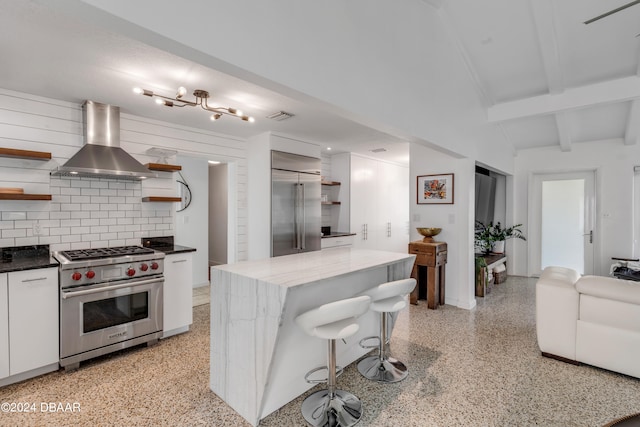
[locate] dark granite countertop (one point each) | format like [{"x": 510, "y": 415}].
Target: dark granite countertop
[
  {"x": 166, "y": 245},
  {"x": 338, "y": 234},
  {"x": 26, "y": 258}
]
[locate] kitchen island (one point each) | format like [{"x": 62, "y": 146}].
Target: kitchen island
[{"x": 259, "y": 355}]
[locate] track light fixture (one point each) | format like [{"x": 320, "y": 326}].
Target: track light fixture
[{"x": 201, "y": 99}]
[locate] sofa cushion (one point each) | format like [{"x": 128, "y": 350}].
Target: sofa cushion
[
  {"x": 609, "y": 312},
  {"x": 610, "y": 288}
]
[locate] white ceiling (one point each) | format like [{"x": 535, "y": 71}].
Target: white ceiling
[{"x": 546, "y": 78}]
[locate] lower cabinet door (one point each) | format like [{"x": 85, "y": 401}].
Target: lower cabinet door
[
  {"x": 33, "y": 319},
  {"x": 177, "y": 291},
  {"x": 4, "y": 327}
]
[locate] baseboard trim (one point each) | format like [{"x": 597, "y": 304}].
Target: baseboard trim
[{"x": 560, "y": 358}]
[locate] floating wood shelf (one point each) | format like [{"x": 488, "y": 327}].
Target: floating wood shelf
[
  {"x": 7, "y": 196},
  {"x": 330, "y": 203},
  {"x": 161, "y": 199},
  {"x": 24, "y": 154},
  {"x": 330, "y": 183},
  {"x": 163, "y": 167}
]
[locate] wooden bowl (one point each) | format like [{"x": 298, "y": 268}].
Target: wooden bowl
[{"x": 428, "y": 233}]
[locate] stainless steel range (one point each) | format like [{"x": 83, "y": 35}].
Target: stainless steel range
[{"x": 110, "y": 299}]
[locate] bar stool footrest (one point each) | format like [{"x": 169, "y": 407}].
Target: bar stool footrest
[
  {"x": 363, "y": 343},
  {"x": 339, "y": 370}
]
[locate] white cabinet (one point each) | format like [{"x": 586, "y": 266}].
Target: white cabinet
[
  {"x": 32, "y": 302},
  {"x": 334, "y": 242},
  {"x": 4, "y": 326},
  {"x": 375, "y": 204},
  {"x": 177, "y": 291}
]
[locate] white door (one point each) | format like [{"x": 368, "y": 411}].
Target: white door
[
  {"x": 364, "y": 201},
  {"x": 562, "y": 227}
]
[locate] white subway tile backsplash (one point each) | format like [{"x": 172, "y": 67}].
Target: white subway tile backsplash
[
  {"x": 81, "y": 199},
  {"x": 78, "y": 183},
  {"x": 89, "y": 191},
  {"x": 38, "y": 215},
  {"x": 70, "y": 223},
  {"x": 108, "y": 236},
  {"x": 59, "y": 231},
  {"x": 26, "y": 241},
  {"x": 99, "y": 199},
  {"x": 18, "y": 232},
  {"x": 99, "y": 184},
  {"x": 80, "y": 230},
  {"x": 80, "y": 215},
  {"x": 61, "y": 199},
  {"x": 10, "y": 216},
  {"x": 88, "y": 212},
  {"x": 70, "y": 191},
  {"x": 7, "y": 242},
  {"x": 99, "y": 214},
  {"x": 59, "y": 215}
]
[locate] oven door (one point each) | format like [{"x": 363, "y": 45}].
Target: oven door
[{"x": 101, "y": 315}]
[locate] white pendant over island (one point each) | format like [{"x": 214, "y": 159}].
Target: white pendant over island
[{"x": 259, "y": 356}]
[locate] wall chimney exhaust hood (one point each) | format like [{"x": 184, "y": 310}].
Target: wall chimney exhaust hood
[{"x": 101, "y": 156}]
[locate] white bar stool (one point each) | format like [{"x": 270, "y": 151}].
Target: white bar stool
[
  {"x": 386, "y": 298},
  {"x": 332, "y": 321}
]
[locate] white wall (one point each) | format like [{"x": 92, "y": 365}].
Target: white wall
[
  {"x": 218, "y": 213},
  {"x": 192, "y": 223},
  {"x": 456, "y": 220},
  {"x": 69, "y": 220},
  {"x": 613, "y": 162}
]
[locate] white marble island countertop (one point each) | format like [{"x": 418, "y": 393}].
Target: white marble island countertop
[
  {"x": 299, "y": 269},
  {"x": 259, "y": 356}
]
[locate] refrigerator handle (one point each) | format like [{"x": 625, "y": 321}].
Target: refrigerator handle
[
  {"x": 304, "y": 219},
  {"x": 296, "y": 222}
]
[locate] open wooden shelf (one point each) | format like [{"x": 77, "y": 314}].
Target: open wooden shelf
[
  {"x": 330, "y": 183},
  {"x": 163, "y": 167},
  {"x": 161, "y": 199},
  {"x": 24, "y": 154},
  {"x": 8, "y": 196}
]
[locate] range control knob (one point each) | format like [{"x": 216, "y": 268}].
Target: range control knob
[
  {"x": 144, "y": 267},
  {"x": 131, "y": 271},
  {"x": 90, "y": 274},
  {"x": 76, "y": 276},
  {"x": 154, "y": 266}
]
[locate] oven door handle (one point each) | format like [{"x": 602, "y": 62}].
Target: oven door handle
[{"x": 66, "y": 294}]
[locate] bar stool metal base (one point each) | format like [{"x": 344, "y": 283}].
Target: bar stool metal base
[
  {"x": 388, "y": 370},
  {"x": 344, "y": 410}
]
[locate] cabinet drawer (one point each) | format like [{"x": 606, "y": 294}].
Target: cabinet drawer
[{"x": 334, "y": 242}]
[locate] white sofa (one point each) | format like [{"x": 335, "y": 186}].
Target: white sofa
[{"x": 590, "y": 319}]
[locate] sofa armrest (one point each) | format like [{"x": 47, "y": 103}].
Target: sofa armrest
[
  {"x": 557, "y": 308},
  {"x": 610, "y": 288}
]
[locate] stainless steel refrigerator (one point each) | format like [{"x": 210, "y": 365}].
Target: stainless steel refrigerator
[{"x": 295, "y": 203}]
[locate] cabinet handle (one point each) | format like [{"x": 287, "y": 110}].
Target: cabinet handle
[
  {"x": 179, "y": 260},
  {"x": 388, "y": 229},
  {"x": 34, "y": 280}
]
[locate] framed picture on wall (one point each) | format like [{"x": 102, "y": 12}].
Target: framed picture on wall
[{"x": 435, "y": 189}]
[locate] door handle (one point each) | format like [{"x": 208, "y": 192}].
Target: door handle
[
  {"x": 590, "y": 234},
  {"x": 304, "y": 219}
]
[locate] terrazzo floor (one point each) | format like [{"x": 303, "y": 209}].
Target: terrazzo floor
[{"x": 467, "y": 368}]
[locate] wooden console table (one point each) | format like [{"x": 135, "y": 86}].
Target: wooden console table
[{"x": 433, "y": 256}]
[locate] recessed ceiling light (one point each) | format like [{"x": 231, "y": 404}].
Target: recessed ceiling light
[
  {"x": 378, "y": 150},
  {"x": 328, "y": 148},
  {"x": 214, "y": 162}
]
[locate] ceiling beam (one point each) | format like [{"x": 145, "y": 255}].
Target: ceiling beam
[
  {"x": 619, "y": 90},
  {"x": 544, "y": 17},
  {"x": 633, "y": 123},
  {"x": 564, "y": 131}
]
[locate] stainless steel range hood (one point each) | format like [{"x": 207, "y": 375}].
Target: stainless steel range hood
[{"x": 101, "y": 156}]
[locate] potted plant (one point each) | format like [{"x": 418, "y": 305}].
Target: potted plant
[{"x": 491, "y": 238}]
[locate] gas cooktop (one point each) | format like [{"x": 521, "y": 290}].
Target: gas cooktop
[{"x": 98, "y": 253}]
